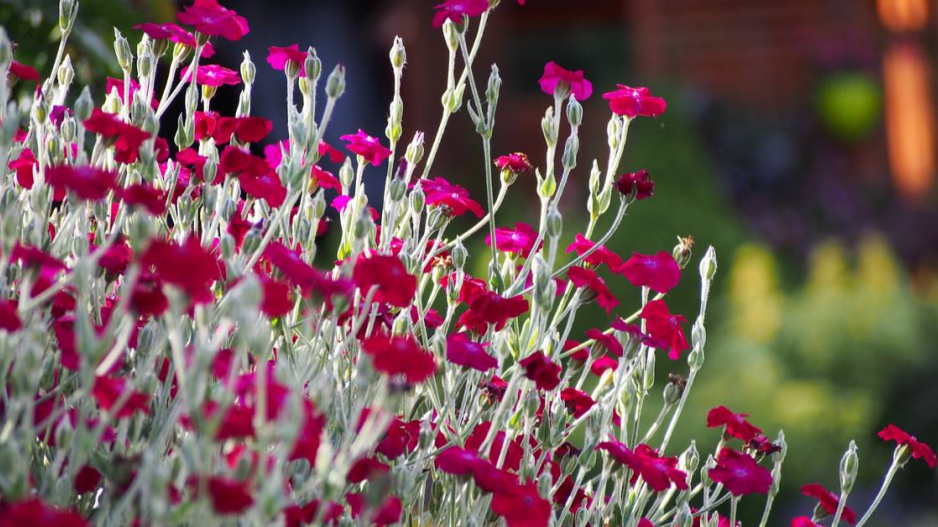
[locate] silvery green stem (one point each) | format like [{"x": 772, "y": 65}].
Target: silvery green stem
[{"x": 887, "y": 480}]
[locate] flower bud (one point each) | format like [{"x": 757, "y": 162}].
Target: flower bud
[
  {"x": 451, "y": 34},
  {"x": 122, "y": 50},
  {"x": 685, "y": 518},
  {"x": 458, "y": 255},
  {"x": 312, "y": 65},
  {"x": 682, "y": 251},
  {"x": 695, "y": 359},
  {"x": 569, "y": 152},
  {"x": 397, "y": 190},
  {"x": 594, "y": 183},
  {"x": 227, "y": 246},
  {"x": 415, "y": 149},
  {"x": 398, "y": 54},
  {"x": 66, "y": 73},
  {"x": 574, "y": 112},
  {"x": 612, "y": 132},
  {"x": 417, "y": 201},
  {"x": 248, "y": 71},
  {"x": 144, "y": 64},
  {"x": 708, "y": 265},
  {"x": 252, "y": 240},
  {"x": 67, "y": 12},
  {"x": 84, "y": 105},
  {"x": 554, "y": 222},
  {"x": 335, "y": 84},
  {"x": 319, "y": 205},
  {"x": 849, "y": 465},
  {"x": 495, "y": 85},
  {"x": 547, "y": 127},
  {"x": 699, "y": 334}
]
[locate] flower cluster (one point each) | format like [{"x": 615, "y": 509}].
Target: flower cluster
[{"x": 176, "y": 349}]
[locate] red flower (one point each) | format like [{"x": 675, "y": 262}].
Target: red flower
[
  {"x": 152, "y": 199},
  {"x": 394, "y": 285},
  {"x": 554, "y": 75},
  {"x": 208, "y": 17},
  {"x": 212, "y": 75},
  {"x": 301, "y": 274},
  {"x": 275, "y": 298},
  {"x": 455, "y": 10},
  {"x": 583, "y": 277},
  {"x": 86, "y": 182},
  {"x": 522, "y": 506},
  {"x": 657, "y": 471},
  {"x": 324, "y": 179},
  {"x": 298, "y": 516},
  {"x": 457, "y": 461},
  {"x": 645, "y": 522},
  {"x": 576, "y": 401},
  {"x": 27, "y": 73},
  {"x": 366, "y": 146},
  {"x": 9, "y": 320},
  {"x": 366, "y": 468},
  {"x": 461, "y": 350},
  {"x": 519, "y": 240},
  {"x": 174, "y": 33},
  {"x": 639, "y": 182},
  {"x": 187, "y": 266},
  {"x": 736, "y": 424},
  {"x": 602, "y": 255},
  {"x": 919, "y": 450},
  {"x": 228, "y": 496},
  {"x": 147, "y": 298},
  {"x": 35, "y": 513},
  {"x": 538, "y": 368},
  {"x": 112, "y": 394},
  {"x": 455, "y": 199},
  {"x": 635, "y": 102},
  {"x": 401, "y": 436},
  {"x": 658, "y": 272},
  {"x": 23, "y": 165},
  {"x": 267, "y": 187},
  {"x": 608, "y": 341},
  {"x": 829, "y": 501},
  {"x": 310, "y": 436},
  {"x": 126, "y": 138},
  {"x": 278, "y": 57},
  {"x": 740, "y": 474},
  {"x": 400, "y": 356},
  {"x": 516, "y": 163},
  {"x": 386, "y": 513},
  {"x": 247, "y": 129},
  {"x": 665, "y": 327},
  {"x": 490, "y": 308},
  {"x": 86, "y": 480}
]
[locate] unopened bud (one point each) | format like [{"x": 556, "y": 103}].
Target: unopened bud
[
  {"x": 417, "y": 201},
  {"x": 451, "y": 34},
  {"x": 708, "y": 265},
  {"x": 312, "y": 65},
  {"x": 346, "y": 173},
  {"x": 458, "y": 255},
  {"x": 248, "y": 71},
  {"x": 849, "y": 465},
  {"x": 335, "y": 84},
  {"x": 570, "y": 150},
  {"x": 397, "y": 189},
  {"x": 66, "y": 73},
  {"x": 398, "y": 54},
  {"x": 574, "y": 112},
  {"x": 84, "y": 105},
  {"x": 494, "y": 86},
  {"x": 547, "y": 127},
  {"x": 122, "y": 50},
  {"x": 554, "y": 222},
  {"x": 682, "y": 251},
  {"x": 415, "y": 149}
]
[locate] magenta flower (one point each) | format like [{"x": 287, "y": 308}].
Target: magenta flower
[
  {"x": 393, "y": 284},
  {"x": 387, "y": 513},
  {"x": 828, "y": 501},
  {"x": 554, "y": 76},
  {"x": 658, "y": 272},
  {"x": 491, "y": 308},
  {"x": 400, "y": 356},
  {"x": 522, "y": 506},
  {"x": 665, "y": 327},
  {"x": 148, "y": 197},
  {"x": 517, "y": 163},
  {"x": 583, "y": 277},
  {"x": 919, "y": 450},
  {"x": 639, "y": 182},
  {"x": 126, "y": 138},
  {"x": 455, "y": 199},
  {"x": 212, "y": 75},
  {"x": 602, "y": 255},
  {"x": 24, "y": 72},
  {"x": 461, "y": 350},
  {"x": 366, "y": 146},
  {"x": 88, "y": 183},
  {"x": 9, "y": 319},
  {"x": 635, "y": 102},
  {"x": 540, "y": 369},
  {"x": 455, "y": 9},
  {"x": 278, "y": 57},
  {"x": 35, "y": 512},
  {"x": 229, "y": 496},
  {"x": 210, "y": 18},
  {"x": 186, "y": 265},
  {"x": 174, "y": 33},
  {"x": 519, "y": 240},
  {"x": 736, "y": 424},
  {"x": 610, "y": 342},
  {"x": 740, "y": 474},
  {"x": 577, "y": 402},
  {"x": 802, "y": 521},
  {"x": 108, "y": 392}
]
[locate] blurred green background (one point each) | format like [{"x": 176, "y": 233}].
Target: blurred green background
[{"x": 784, "y": 146}]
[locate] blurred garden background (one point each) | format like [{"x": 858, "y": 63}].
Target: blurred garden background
[{"x": 799, "y": 141}]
